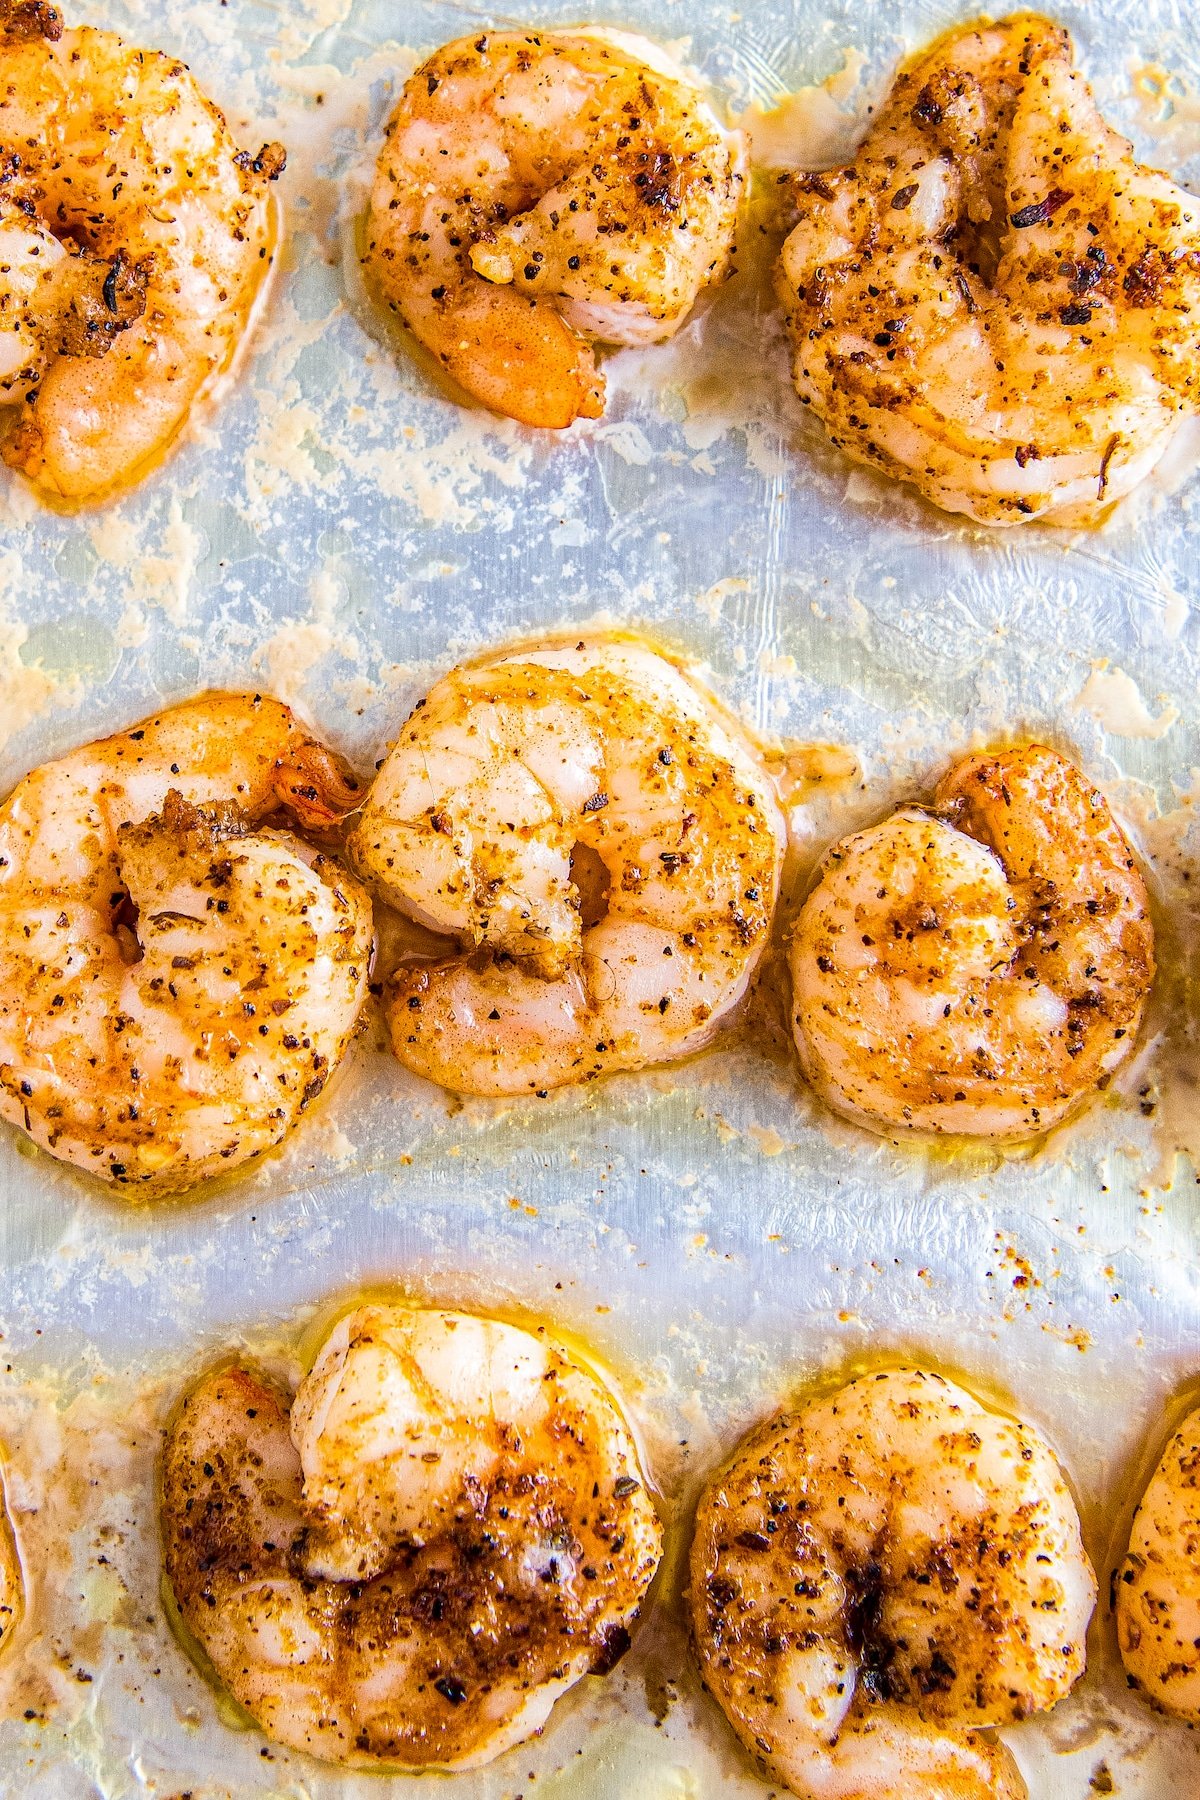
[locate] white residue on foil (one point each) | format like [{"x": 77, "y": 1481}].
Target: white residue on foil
[
  {"x": 1165, "y": 1073},
  {"x": 164, "y": 575},
  {"x": 296, "y": 647},
  {"x": 1115, "y": 701},
  {"x": 1168, "y": 107},
  {"x": 26, "y": 688},
  {"x": 713, "y": 599},
  {"x": 816, "y": 127}
]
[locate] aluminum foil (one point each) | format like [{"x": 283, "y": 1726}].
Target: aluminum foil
[{"x": 338, "y": 532}]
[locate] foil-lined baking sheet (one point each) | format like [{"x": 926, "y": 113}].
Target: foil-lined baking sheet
[{"x": 338, "y": 532}]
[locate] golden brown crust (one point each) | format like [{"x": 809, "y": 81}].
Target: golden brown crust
[
  {"x": 480, "y": 278},
  {"x": 532, "y": 1580},
  {"x": 1063, "y": 896},
  {"x": 177, "y": 985},
  {"x": 937, "y": 989},
  {"x": 23, "y": 20},
  {"x": 994, "y": 301},
  {"x": 97, "y": 299},
  {"x": 892, "y": 1562}
]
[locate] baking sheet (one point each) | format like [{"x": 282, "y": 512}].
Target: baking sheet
[{"x": 337, "y": 532}]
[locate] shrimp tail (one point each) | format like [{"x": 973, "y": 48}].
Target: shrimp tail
[
  {"x": 519, "y": 356},
  {"x": 316, "y": 787}
]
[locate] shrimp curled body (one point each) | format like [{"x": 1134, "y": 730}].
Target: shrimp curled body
[
  {"x": 177, "y": 982},
  {"x": 994, "y": 301},
  {"x": 1157, "y": 1587},
  {"x": 444, "y": 1532},
  {"x": 978, "y": 968},
  {"x": 538, "y": 190},
  {"x": 879, "y": 1575},
  {"x": 512, "y": 781},
  {"x": 133, "y": 235}
]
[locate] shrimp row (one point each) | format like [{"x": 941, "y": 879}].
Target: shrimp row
[
  {"x": 407, "y": 1559},
  {"x": 994, "y": 301},
  {"x": 594, "y": 849},
  {"x": 537, "y": 193}
]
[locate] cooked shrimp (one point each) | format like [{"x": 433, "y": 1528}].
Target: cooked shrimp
[
  {"x": 980, "y": 967},
  {"x": 1157, "y": 1588},
  {"x": 877, "y": 1576},
  {"x": 995, "y": 301},
  {"x": 603, "y": 846},
  {"x": 177, "y": 983},
  {"x": 134, "y": 236},
  {"x": 538, "y": 190},
  {"x": 442, "y": 1534},
  {"x": 12, "y": 1585}
]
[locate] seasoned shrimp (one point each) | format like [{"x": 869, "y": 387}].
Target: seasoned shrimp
[
  {"x": 995, "y": 301},
  {"x": 442, "y": 1534},
  {"x": 538, "y": 190},
  {"x": 1157, "y": 1588},
  {"x": 980, "y": 967},
  {"x": 134, "y": 235},
  {"x": 12, "y": 1585},
  {"x": 877, "y": 1576},
  {"x": 177, "y": 983},
  {"x": 605, "y": 849}
]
